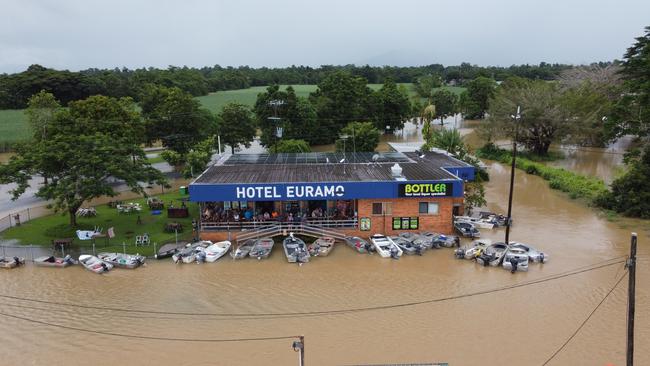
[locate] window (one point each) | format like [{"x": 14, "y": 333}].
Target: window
[
  {"x": 382, "y": 208},
  {"x": 430, "y": 208}
]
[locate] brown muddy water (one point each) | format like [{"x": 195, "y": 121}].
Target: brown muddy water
[{"x": 520, "y": 326}]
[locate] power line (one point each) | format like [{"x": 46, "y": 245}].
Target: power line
[
  {"x": 585, "y": 321},
  {"x": 202, "y": 340},
  {"x": 580, "y": 270}
]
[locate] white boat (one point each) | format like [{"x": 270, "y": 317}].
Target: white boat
[
  {"x": 467, "y": 229},
  {"x": 53, "y": 261},
  {"x": 385, "y": 246},
  {"x": 358, "y": 244},
  {"x": 94, "y": 264},
  {"x": 533, "y": 254},
  {"x": 476, "y": 221},
  {"x": 121, "y": 260},
  {"x": 216, "y": 250},
  {"x": 474, "y": 250},
  {"x": 492, "y": 255},
  {"x": 516, "y": 259},
  {"x": 11, "y": 262},
  {"x": 407, "y": 246},
  {"x": 262, "y": 248}
]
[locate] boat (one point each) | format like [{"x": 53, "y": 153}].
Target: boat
[
  {"x": 407, "y": 246},
  {"x": 447, "y": 241},
  {"x": 473, "y": 250},
  {"x": 496, "y": 219},
  {"x": 428, "y": 239},
  {"x": 53, "y": 261},
  {"x": 262, "y": 248},
  {"x": 11, "y": 262},
  {"x": 216, "y": 250},
  {"x": 492, "y": 255},
  {"x": 94, "y": 264},
  {"x": 386, "y": 247},
  {"x": 189, "y": 253},
  {"x": 476, "y": 221},
  {"x": 169, "y": 249},
  {"x": 467, "y": 229},
  {"x": 358, "y": 244},
  {"x": 516, "y": 259},
  {"x": 416, "y": 239},
  {"x": 321, "y": 246},
  {"x": 243, "y": 250},
  {"x": 121, "y": 260},
  {"x": 295, "y": 249},
  {"x": 533, "y": 254}
]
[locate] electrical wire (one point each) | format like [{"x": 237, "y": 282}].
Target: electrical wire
[
  {"x": 580, "y": 270},
  {"x": 122, "y": 335},
  {"x": 585, "y": 321}
]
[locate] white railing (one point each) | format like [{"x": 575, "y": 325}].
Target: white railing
[{"x": 256, "y": 225}]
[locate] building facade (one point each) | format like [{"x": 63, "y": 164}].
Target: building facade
[{"x": 356, "y": 194}]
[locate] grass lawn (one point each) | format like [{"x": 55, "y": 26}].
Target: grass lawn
[
  {"x": 41, "y": 231},
  {"x": 155, "y": 159},
  {"x": 13, "y": 126}
]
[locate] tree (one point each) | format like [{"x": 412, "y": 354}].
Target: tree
[
  {"x": 476, "y": 99},
  {"x": 94, "y": 141},
  {"x": 392, "y": 106},
  {"x": 175, "y": 118},
  {"x": 40, "y": 112},
  {"x": 236, "y": 125},
  {"x": 292, "y": 146},
  {"x": 340, "y": 99},
  {"x": 198, "y": 158},
  {"x": 630, "y": 193},
  {"x": 446, "y": 103},
  {"x": 631, "y": 113},
  {"x": 424, "y": 85},
  {"x": 361, "y": 137},
  {"x": 544, "y": 119}
]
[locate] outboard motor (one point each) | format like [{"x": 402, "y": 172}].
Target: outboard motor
[
  {"x": 200, "y": 257},
  {"x": 393, "y": 253},
  {"x": 17, "y": 260},
  {"x": 457, "y": 242},
  {"x": 514, "y": 261},
  {"x": 541, "y": 257},
  {"x": 418, "y": 249},
  {"x": 68, "y": 259},
  {"x": 459, "y": 253}
]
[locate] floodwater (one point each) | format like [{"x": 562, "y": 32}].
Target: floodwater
[{"x": 520, "y": 326}]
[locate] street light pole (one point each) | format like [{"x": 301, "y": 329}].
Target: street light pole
[{"x": 516, "y": 118}]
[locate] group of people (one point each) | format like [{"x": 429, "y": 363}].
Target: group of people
[{"x": 216, "y": 213}]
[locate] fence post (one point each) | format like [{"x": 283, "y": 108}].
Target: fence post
[
  {"x": 94, "y": 249},
  {"x": 29, "y": 217}
]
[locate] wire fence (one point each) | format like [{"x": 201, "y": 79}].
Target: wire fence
[
  {"x": 20, "y": 217},
  {"x": 32, "y": 251}
]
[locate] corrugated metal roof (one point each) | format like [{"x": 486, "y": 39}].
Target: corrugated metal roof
[{"x": 326, "y": 167}]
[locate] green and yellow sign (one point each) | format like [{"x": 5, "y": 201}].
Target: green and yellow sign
[{"x": 425, "y": 189}]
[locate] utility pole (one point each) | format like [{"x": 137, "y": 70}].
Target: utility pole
[
  {"x": 631, "y": 289},
  {"x": 278, "y": 130},
  {"x": 299, "y": 346},
  {"x": 516, "y": 118}
]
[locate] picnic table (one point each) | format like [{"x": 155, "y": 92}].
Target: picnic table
[{"x": 178, "y": 212}]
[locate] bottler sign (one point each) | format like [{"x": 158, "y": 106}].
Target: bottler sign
[{"x": 425, "y": 190}]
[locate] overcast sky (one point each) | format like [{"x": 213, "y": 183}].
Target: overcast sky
[{"x": 79, "y": 34}]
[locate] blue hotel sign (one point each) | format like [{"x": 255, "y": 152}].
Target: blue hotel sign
[{"x": 202, "y": 192}]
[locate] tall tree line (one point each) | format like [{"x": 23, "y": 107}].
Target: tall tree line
[{"x": 66, "y": 86}]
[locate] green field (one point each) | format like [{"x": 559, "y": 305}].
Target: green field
[
  {"x": 13, "y": 126},
  {"x": 13, "y": 123}
]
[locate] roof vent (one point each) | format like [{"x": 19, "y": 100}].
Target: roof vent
[{"x": 396, "y": 170}]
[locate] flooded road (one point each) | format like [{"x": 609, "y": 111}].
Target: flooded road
[{"x": 520, "y": 326}]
